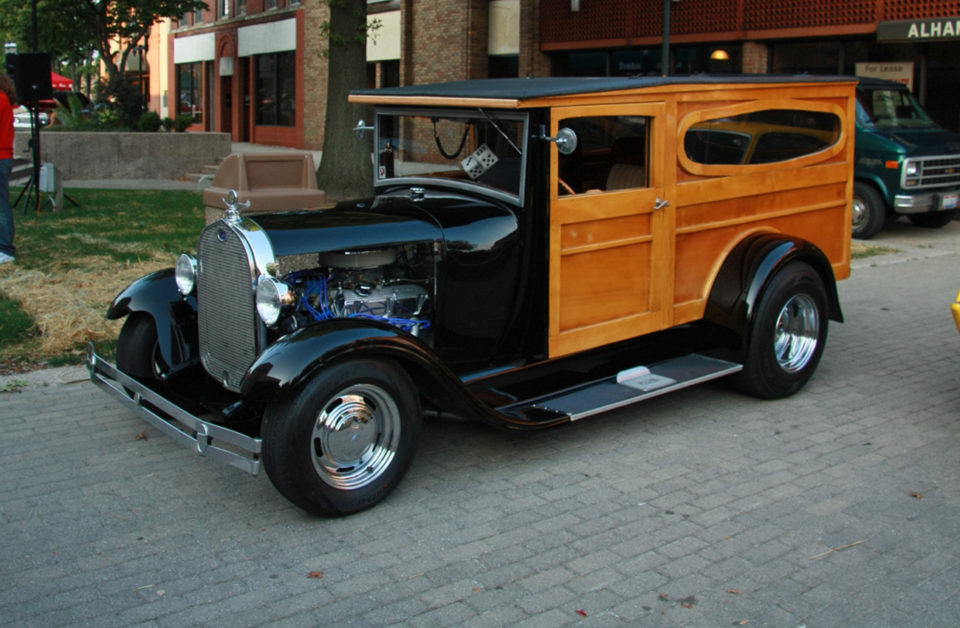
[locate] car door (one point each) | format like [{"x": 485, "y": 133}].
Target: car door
[{"x": 610, "y": 265}]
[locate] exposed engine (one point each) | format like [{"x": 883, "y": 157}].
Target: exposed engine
[{"x": 392, "y": 285}]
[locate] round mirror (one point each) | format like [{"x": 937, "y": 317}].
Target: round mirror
[{"x": 566, "y": 141}]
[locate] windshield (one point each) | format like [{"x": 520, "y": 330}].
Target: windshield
[
  {"x": 894, "y": 108},
  {"x": 455, "y": 147}
]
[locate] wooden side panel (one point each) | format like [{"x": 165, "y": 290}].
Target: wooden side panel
[
  {"x": 604, "y": 251},
  {"x": 620, "y": 269}
]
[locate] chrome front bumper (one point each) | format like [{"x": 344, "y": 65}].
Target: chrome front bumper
[
  {"x": 207, "y": 439},
  {"x": 923, "y": 202}
]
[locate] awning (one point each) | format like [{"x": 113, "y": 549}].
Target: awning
[{"x": 60, "y": 83}]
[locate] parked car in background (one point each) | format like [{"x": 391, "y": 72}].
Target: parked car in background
[
  {"x": 48, "y": 106},
  {"x": 956, "y": 311},
  {"x": 907, "y": 165},
  {"x": 538, "y": 251}
]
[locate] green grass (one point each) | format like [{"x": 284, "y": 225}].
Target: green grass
[
  {"x": 126, "y": 225},
  {"x": 71, "y": 263}
]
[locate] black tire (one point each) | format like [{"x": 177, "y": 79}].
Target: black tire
[
  {"x": 869, "y": 211},
  {"x": 787, "y": 335},
  {"x": 315, "y": 462},
  {"x": 933, "y": 220},
  {"x": 138, "y": 352}
]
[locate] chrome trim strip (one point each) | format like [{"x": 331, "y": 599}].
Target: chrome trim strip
[{"x": 241, "y": 451}]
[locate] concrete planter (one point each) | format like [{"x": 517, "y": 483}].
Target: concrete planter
[{"x": 87, "y": 155}]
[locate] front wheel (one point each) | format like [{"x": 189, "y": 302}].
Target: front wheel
[
  {"x": 933, "y": 220},
  {"x": 345, "y": 440},
  {"x": 869, "y": 212},
  {"x": 787, "y": 334},
  {"x": 138, "y": 352}
]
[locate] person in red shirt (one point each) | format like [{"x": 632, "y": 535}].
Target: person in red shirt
[{"x": 8, "y": 96}]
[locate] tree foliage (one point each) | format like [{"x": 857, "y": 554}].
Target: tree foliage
[{"x": 77, "y": 31}]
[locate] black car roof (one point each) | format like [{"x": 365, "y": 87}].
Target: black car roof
[{"x": 545, "y": 87}]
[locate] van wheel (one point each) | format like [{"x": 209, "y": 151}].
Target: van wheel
[
  {"x": 933, "y": 220},
  {"x": 787, "y": 334},
  {"x": 345, "y": 440},
  {"x": 869, "y": 213}
]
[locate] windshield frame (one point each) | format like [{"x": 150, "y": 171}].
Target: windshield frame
[{"x": 472, "y": 186}]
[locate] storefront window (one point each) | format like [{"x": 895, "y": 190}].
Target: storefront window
[
  {"x": 276, "y": 89},
  {"x": 189, "y": 90}
]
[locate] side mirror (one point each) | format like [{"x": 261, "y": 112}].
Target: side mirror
[
  {"x": 566, "y": 139},
  {"x": 361, "y": 128}
]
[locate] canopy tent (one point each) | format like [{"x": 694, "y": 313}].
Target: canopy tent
[{"x": 60, "y": 83}]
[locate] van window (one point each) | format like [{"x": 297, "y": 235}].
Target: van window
[
  {"x": 761, "y": 137},
  {"x": 612, "y": 154}
]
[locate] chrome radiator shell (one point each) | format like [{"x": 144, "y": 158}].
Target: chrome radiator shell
[{"x": 231, "y": 255}]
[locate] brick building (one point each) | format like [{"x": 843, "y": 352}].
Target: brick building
[{"x": 255, "y": 68}]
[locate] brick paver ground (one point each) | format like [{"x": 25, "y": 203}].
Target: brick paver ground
[{"x": 837, "y": 507}]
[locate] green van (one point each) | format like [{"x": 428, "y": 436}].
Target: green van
[{"x": 906, "y": 163}]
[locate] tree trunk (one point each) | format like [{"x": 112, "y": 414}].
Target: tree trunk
[{"x": 345, "y": 169}]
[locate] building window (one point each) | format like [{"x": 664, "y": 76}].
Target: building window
[
  {"x": 223, "y": 8},
  {"x": 198, "y": 16},
  {"x": 241, "y": 7},
  {"x": 276, "y": 82},
  {"x": 269, "y": 4},
  {"x": 190, "y": 90}
]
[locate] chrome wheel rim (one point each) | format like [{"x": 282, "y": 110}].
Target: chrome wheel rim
[
  {"x": 859, "y": 212},
  {"x": 797, "y": 333},
  {"x": 355, "y": 437}
]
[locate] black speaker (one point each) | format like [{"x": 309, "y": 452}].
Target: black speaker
[{"x": 30, "y": 72}]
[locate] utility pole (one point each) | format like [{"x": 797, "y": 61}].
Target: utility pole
[{"x": 665, "y": 49}]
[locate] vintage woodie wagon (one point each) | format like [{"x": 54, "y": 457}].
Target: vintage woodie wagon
[{"x": 537, "y": 251}]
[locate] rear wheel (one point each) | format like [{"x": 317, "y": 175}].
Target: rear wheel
[
  {"x": 787, "y": 334},
  {"x": 933, "y": 220},
  {"x": 345, "y": 440},
  {"x": 869, "y": 213}
]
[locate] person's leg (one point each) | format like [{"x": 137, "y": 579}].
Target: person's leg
[{"x": 6, "y": 212}]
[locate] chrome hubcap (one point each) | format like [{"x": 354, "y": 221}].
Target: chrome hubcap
[
  {"x": 355, "y": 437},
  {"x": 796, "y": 333},
  {"x": 859, "y": 212}
]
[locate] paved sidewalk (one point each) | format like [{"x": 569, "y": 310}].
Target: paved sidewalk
[{"x": 837, "y": 507}]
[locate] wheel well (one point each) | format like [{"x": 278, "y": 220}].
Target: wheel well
[
  {"x": 746, "y": 273},
  {"x": 879, "y": 187}
]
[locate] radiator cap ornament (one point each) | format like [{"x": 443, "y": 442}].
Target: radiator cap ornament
[{"x": 234, "y": 206}]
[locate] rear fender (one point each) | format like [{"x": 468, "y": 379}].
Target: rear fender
[
  {"x": 175, "y": 317},
  {"x": 745, "y": 273}
]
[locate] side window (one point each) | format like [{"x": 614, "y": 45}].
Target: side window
[
  {"x": 612, "y": 154},
  {"x": 761, "y": 137}
]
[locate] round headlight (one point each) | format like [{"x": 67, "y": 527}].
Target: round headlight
[
  {"x": 272, "y": 296},
  {"x": 186, "y": 274}
]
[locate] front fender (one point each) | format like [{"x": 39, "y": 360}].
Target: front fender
[
  {"x": 740, "y": 283},
  {"x": 157, "y": 295},
  {"x": 294, "y": 359}
]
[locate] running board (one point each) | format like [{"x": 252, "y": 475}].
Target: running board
[{"x": 629, "y": 386}]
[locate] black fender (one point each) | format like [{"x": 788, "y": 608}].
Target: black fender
[
  {"x": 745, "y": 273},
  {"x": 294, "y": 359},
  {"x": 157, "y": 295}
]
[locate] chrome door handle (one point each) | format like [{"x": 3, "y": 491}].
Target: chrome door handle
[{"x": 660, "y": 204}]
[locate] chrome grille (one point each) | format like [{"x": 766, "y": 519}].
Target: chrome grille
[
  {"x": 227, "y": 316},
  {"x": 933, "y": 172}
]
